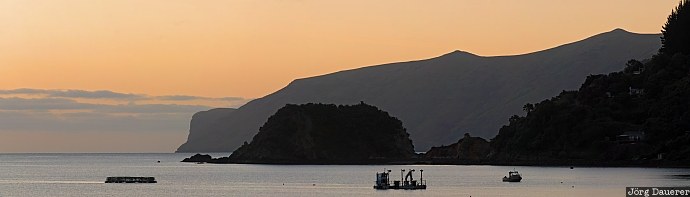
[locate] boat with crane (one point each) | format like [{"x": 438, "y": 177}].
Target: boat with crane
[{"x": 406, "y": 182}]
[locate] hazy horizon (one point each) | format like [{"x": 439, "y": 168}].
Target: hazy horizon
[{"x": 86, "y": 76}]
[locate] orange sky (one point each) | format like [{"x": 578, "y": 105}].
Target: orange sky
[{"x": 250, "y": 48}]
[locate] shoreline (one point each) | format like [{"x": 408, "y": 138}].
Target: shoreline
[{"x": 425, "y": 161}]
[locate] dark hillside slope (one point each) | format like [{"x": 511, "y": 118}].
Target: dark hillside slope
[{"x": 640, "y": 115}]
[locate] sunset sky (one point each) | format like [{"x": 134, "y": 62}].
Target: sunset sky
[{"x": 137, "y": 55}]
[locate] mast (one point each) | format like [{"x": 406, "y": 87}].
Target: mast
[
  {"x": 402, "y": 176},
  {"x": 421, "y": 176}
]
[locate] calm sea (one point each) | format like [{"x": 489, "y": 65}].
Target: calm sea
[{"x": 84, "y": 174}]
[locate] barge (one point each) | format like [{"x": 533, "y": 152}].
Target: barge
[
  {"x": 130, "y": 179},
  {"x": 406, "y": 182}
]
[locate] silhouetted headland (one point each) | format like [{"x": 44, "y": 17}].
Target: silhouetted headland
[{"x": 326, "y": 134}]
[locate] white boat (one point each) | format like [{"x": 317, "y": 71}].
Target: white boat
[{"x": 513, "y": 176}]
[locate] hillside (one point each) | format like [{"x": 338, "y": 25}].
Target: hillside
[
  {"x": 439, "y": 99},
  {"x": 320, "y": 133},
  {"x": 207, "y": 123},
  {"x": 640, "y": 115},
  {"x": 466, "y": 149}
]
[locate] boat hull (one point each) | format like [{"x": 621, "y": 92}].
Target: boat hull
[
  {"x": 512, "y": 179},
  {"x": 400, "y": 187}
]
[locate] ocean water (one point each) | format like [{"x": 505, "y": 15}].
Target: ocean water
[{"x": 84, "y": 175}]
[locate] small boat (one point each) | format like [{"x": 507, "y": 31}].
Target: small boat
[
  {"x": 408, "y": 183},
  {"x": 513, "y": 176},
  {"x": 129, "y": 179}
]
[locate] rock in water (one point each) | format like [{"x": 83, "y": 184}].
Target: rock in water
[
  {"x": 198, "y": 158},
  {"x": 326, "y": 133}
]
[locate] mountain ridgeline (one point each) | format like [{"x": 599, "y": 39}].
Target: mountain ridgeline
[
  {"x": 438, "y": 99},
  {"x": 325, "y": 134}
]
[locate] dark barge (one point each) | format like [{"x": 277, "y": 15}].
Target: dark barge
[
  {"x": 408, "y": 183},
  {"x": 130, "y": 179}
]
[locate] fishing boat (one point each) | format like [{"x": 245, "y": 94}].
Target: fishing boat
[
  {"x": 406, "y": 182},
  {"x": 513, "y": 176}
]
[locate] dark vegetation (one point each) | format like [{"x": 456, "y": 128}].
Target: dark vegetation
[
  {"x": 327, "y": 134},
  {"x": 676, "y": 30},
  {"x": 652, "y": 98}
]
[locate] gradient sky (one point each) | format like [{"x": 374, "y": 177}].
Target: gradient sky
[
  {"x": 250, "y": 48},
  {"x": 215, "y": 50}
]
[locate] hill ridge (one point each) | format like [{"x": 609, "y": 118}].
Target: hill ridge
[{"x": 439, "y": 99}]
